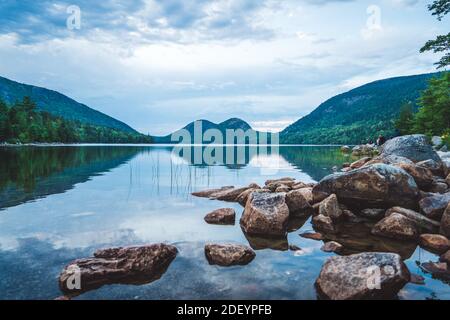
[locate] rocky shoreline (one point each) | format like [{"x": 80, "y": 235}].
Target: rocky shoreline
[{"x": 373, "y": 214}]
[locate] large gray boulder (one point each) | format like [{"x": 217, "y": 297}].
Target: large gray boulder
[
  {"x": 362, "y": 276},
  {"x": 132, "y": 265},
  {"x": 414, "y": 147},
  {"x": 226, "y": 255},
  {"x": 375, "y": 186},
  {"x": 265, "y": 214}
]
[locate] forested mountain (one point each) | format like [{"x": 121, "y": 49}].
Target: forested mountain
[
  {"x": 233, "y": 124},
  {"x": 359, "y": 115},
  {"x": 58, "y": 105}
]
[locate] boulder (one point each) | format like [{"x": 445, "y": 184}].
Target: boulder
[
  {"x": 375, "y": 186},
  {"x": 354, "y": 277},
  {"x": 435, "y": 166},
  {"x": 230, "y": 195},
  {"x": 421, "y": 221},
  {"x": 435, "y": 243},
  {"x": 298, "y": 202},
  {"x": 132, "y": 265},
  {"x": 346, "y": 149},
  {"x": 438, "y": 270},
  {"x": 445, "y": 257},
  {"x": 282, "y": 188},
  {"x": 364, "y": 150},
  {"x": 445, "y": 222},
  {"x": 226, "y": 255},
  {"x": 396, "y": 226},
  {"x": 332, "y": 246},
  {"x": 330, "y": 208},
  {"x": 439, "y": 187},
  {"x": 388, "y": 159},
  {"x": 224, "y": 216},
  {"x": 358, "y": 164},
  {"x": 266, "y": 214},
  {"x": 323, "y": 223},
  {"x": 313, "y": 236},
  {"x": 414, "y": 147},
  {"x": 281, "y": 180},
  {"x": 209, "y": 193},
  {"x": 447, "y": 180},
  {"x": 433, "y": 207},
  {"x": 424, "y": 177},
  {"x": 299, "y": 185},
  {"x": 372, "y": 214}
]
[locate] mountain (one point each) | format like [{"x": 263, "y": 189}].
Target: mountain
[
  {"x": 233, "y": 123},
  {"x": 58, "y": 104},
  {"x": 358, "y": 115}
]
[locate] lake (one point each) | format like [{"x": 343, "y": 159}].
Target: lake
[{"x": 61, "y": 203}]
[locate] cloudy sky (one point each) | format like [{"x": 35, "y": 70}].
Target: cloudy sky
[{"x": 159, "y": 64}]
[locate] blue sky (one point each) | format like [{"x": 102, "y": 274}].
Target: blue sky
[{"x": 159, "y": 64}]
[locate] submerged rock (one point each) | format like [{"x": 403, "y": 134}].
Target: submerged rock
[
  {"x": 354, "y": 277},
  {"x": 375, "y": 186},
  {"x": 414, "y": 147},
  {"x": 224, "y": 216},
  {"x": 226, "y": 255},
  {"x": 433, "y": 207},
  {"x": 396, "y": 226},
  {"x": 266, "y": 214},
  {"x": 435, "y": 243},
  {"x": 132, "y": 265}
]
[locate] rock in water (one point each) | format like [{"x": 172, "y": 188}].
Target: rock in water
[
  {"x": 330, "y": 208},
  {"x": 396, "y": 226},
  {"x": 433, "y": 207},
  {"x": 298, "y": 202},
  {"x": 414, "y": 147},
  {"x": 375, "y": 186},
  {"x": 435, "y": 243},
  {"x": 362, "y": 276},
  {"x": 211, "y": 192},
  {"x": 266, "y": 214},
  {"x": 323, "y": 223},
  {"x": 226, "y": 255},
  {"x": 445, "y": 222},
  {"x": 132, "y": 265},
  {"x": 421, "y": 221},
  {"x": 224, "y": 216},
  {"x": 332, "y": 246}
]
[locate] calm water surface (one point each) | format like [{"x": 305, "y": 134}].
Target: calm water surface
[{"x": 58, "y": 204}]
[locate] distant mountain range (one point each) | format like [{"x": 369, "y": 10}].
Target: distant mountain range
[
  {"x": 233, "y": 123},
  {"x": 58, "y": 104},
  {"x": 353, "y": 117},
  {"x": 358, "y": 115}
]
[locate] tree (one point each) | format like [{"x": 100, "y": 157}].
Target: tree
[
  {"x": 433, "y": 117},
  {"x": 405, "y": 120},
  {"x": 439, "y": 8},
  {"x": 3, "y": 121}
]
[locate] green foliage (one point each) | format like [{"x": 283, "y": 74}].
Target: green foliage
[
  {"x": 360, "y": 115},
  {"x": 404, "y": 122},
  {"x": 439, "y": 8},
  {"x": 23, "y": 123},
  {"x": 58, "y": 105},
  {"x": 433, "y": 117}
]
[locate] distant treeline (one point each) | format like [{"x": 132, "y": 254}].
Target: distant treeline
[{"x": 23, "y": 123}]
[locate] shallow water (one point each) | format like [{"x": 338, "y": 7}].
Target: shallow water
[{"x": 62, "y": 203}]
